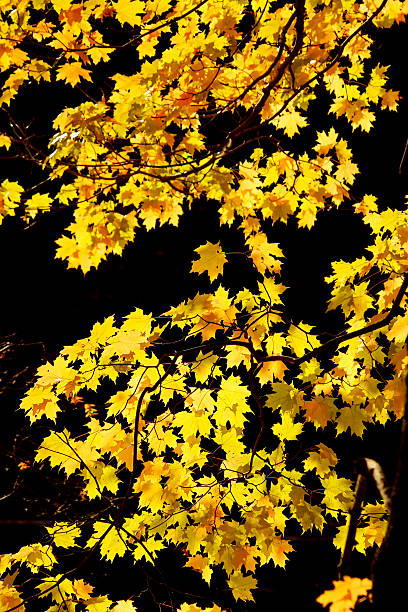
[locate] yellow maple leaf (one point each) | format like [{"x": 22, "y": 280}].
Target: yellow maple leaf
[
  {"x": 241, "y": 586},
  {"x": 310, "y": 370},
  {"x": 64, "y": 534},
  {"x": 61, "y": 5},
  {"x": 307, "y": 214},
  {"x": 368, "y": 204},
  {"x": 59, "y": 449},
  {"x": 309, "y": 516},
  {"x": 111, "y": 544},
  {"x": 148, "y": 46},
  {"x": 321, "y": 461},
  {"x": 363, "y": 118},
  {"x": 59, "y": 374},
  {"x": 201, "y": 564},
  {"x": 270, "y": 290},
  {"x": 346, "y": 172},
  {"x": 148, "y": 484},
  {"x": 124, "y": 606},
  {"x": 277, "y": 550},
  {"x": 129, "y": 11},
  {"x": 5, "y": 141},
  {"x": 72, "y": 73},
  {"x": 287, "y": 429},
  {"x": 99, "y": 476},
  {"x": 283, "y": 396},
  {"x": 325, "y": 142},
  {"x": 337, "y": 493},
  {"x": 271, "y": 370},
  {"x": 212, "y": 260},
  {"x": 10, "y": 194},
  {"x": 138, "y": 321},
  {"x": 300, "y": 339},
  {"x": 40, "y": 401},
  {"x": 343, "y": 597},
  {"x": 232, "y": 393},
  {"x": 98, "y": 604},
  {"x": 399, "y": 331},
  {"x": 101, "y": 332},
  {"x": 352, "y": 417},
  {"x": 264, "y": 253},
  {"x": 290, "y": 122},
  {"x": 38, "y": 202}
]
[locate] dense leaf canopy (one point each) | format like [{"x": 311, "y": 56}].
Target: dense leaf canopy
[{"x": 210, "y": 427}]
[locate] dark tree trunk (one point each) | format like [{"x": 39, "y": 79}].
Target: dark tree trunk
[{"x": 390, "y": 566}]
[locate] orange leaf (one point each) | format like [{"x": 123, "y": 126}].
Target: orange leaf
[{"x": 317, "y": 410}]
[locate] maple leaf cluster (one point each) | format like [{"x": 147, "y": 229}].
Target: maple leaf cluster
[
  {"x": 345, "y": 594},
  {"x": 169, "y": 451}
]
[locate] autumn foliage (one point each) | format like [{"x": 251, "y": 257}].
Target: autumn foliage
[
  {"x": 345, "y": 594},
  {"x": 167, "y": 454}
]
